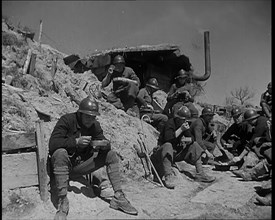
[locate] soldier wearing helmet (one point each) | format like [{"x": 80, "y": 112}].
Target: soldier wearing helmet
[
  {"x": 181, "y": 92},
  {"x": 72, "y": 152},
  {"x": 266, "y": 101},
  {"x": 176, "y": 144},
  {"x": 125, "y": 84},
  {"x": 200, "y": 130},
  {"x": 259, "y": 143},
  {"x": 236, "y": 135},
  {"x": 145, "y": 103}
]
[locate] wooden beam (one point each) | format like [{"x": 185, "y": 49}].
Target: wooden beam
[
  {"x": 42, "y": 155},
  {"x": 14, "y": 141},
  {"x": 19, "y": 170},
  {"x": 32, "y": 64},
  {"x": 27, "y": 62}
]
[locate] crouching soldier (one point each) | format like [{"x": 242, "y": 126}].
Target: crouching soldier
[
  {"x": 237, "y": 134},
  {"x": 260, "y": 143},
  {"x": 70, "y": 143},
  {"x": 200, "y": 130},
  {"x": 177, "y": 145}
]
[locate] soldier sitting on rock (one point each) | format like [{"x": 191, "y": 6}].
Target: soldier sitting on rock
[
  {"x": 145, "y": 99},
  {"x": 176, "y": 144},
  {"x": 125, "y": 85},
  {"x": 73, "y": 153},
  {"x": 180, "y": 91},
  {"x": 236, "y": 135},
  {"x": 260, "y": 143},
  {"x": 201, "y": 131}
]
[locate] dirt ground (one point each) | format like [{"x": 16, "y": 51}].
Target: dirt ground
[{"x": 226, "y": 198}]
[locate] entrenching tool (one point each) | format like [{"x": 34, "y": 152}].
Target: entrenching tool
[
  {"x": 145, "y": 152},
  {"x": 142, "y": 156}
]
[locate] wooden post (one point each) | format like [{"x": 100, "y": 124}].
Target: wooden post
[
  {"x": 32, "y": 63},
  {"x": 27, "y": 62},
  {"x": 40, "y": 33},
  {"x": 54, "y": 66},
  {"x": 42, "y": 161}
]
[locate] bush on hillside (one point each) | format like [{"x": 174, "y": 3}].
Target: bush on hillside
[{"x": 9, "y": 39}]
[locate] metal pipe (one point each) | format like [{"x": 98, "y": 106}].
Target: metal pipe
[{"x": 207, "y": 59}]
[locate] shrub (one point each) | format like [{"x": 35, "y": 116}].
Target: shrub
[{"x": 9, "y": 39}]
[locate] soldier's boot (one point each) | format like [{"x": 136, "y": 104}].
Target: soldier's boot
[
  {"x": 106, "y": 190},
  {"x": 63, "y": 208},
  {"x": 61, "y": 175},
  {"x": 169, "y": 181},
  {"x": 119, "y": 202},
  {"x": 266, "y": 201},
  {"x": 203, "y": 177},
  {"x": 260, "y": 170},
  {"x": 240, "y": 172}
]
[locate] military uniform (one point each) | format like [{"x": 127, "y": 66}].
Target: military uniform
[
  {"x": 199, "y": 130},
  {"x": 145, "y": 99},
  {"x": 237, "y": 134},
  {"x": 124, "y": 93},
  {"x": 65, "y": 155},
  {"x": 172, "y": 150},
  {"x": 266, "y": 103}
]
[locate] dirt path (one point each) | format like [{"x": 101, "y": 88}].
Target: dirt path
[{"x": 226, "y": 198}]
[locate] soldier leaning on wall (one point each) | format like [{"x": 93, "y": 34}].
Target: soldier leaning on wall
[{"x": 125, "y": 85}]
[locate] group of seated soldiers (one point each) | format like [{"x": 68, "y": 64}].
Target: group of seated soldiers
[
  {"x": 248, "y": 139},
  {"x": 78, "y": 147}
]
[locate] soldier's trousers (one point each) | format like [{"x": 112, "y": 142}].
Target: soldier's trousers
[
  {"x": 62, "y": 168},
  {"x": 165, "y": 156}
]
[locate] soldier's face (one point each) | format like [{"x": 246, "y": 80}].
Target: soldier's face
[
  {"x": 88, "y": 120},
  {"x": 182, "y": 80},
  {"x": 119, "y": 67},
  {"x": 238, "y": 119},
  {"x": 252, "y": 122}
]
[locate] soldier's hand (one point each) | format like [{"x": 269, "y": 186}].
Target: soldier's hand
[
  {"x": 150, "y": 106},
  {"x": 185, "y": 126},
  {"x": 111, "y": 69},
  {"x": 83, "y": 141}
]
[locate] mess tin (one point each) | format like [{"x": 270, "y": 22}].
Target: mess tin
[{"x": 100, "y": 144}]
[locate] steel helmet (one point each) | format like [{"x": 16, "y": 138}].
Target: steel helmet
[
  {"x": 181, "y": 74},
  {"x": 153, "y": 83},
  {"x": 250, "y": 114},
  {"x": 207, "y": 111},
  {"x": 235, "y": 112},
  {"x": 89, "y": 106},
  {"x": 181, "y": 111},
  {"x": 269, "y": 85},
  {"x": 118, "y": 59}
]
